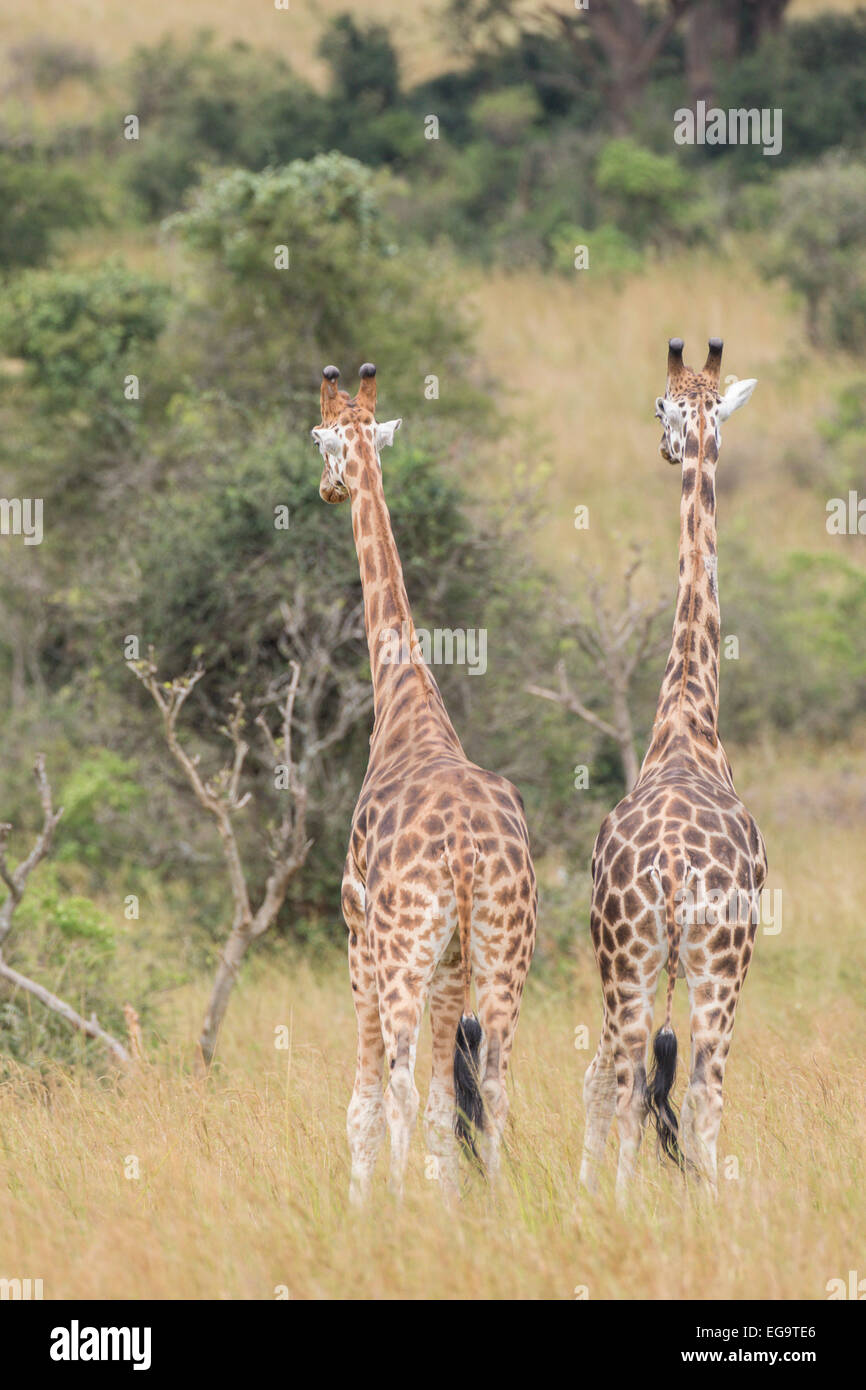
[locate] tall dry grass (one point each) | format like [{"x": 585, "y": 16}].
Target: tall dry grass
[
  {"x": 578, "y": 361},
  {"x": 242, "y": 1184},
  {"x": 112, "y": 28}
]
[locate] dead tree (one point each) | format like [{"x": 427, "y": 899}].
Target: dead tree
[
  {"x": 16, "y": 882},
  {"x": 629, "y": 37},
  {"x": 618, "y": 41},
  {"x": 616, "y": 641},
  {"x": 300, "y": 697}
]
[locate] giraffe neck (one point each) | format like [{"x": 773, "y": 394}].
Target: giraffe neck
[
  {"x": 690, "y": 689},
  {"x": 402, "y": 682}
]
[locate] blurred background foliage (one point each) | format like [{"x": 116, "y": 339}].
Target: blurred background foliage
[{"x": 153, "y": 262}]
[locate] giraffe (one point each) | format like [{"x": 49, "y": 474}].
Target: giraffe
[
  {"x": 678, "y": 865},
  {"x": 438, "y": 882}
]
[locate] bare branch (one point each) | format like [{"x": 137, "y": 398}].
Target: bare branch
[
  {"x": 218, "y": 796},
  {"x": 15, "y": 881},
  {"x": 616, "y": 642},
  {"x": 315, "y": 683},
  {"x": 566, "y": 697},
  {"x": 89, "y": 1026}
]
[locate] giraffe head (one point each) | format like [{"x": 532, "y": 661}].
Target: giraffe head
[
  {"x": 349, "y": 435},
  {"x": 691, "y": 397}
]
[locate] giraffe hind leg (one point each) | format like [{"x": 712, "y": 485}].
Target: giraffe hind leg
[
  {"x": 631, "y": 1027},
  {"x": 401, "y": 1008},
  {"x": 365, "y": 1119},
  {"x": 711, "y": 1029},
  {"x": 498, "y": 1019},
  {"x": 446, "y": 1003},
  {"x": 599, "y": 1098},
  {"x": 401, "y": 1105}
]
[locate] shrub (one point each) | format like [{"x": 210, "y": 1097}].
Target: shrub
[
  {"x": 644, "y": 192},
  {"x": 364, "y": 67},
  {"x": 813, "y": 71},
  {"x": 347, "y": 285},
  {"x": 45, "y": 63},
  {"x": 610, "y": 251},
  {"x": 200, "y": 105},
  {"x": 38, "y": 200},
  {"x": 818, "y": 244},
  {"x": 78, "y": 330},
  {"x": 101, "y": 790},
  {"x": 507, "y": 116}
]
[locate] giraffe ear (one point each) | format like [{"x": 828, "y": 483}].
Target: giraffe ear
[
  {"x": 670, "y": 413},
  {"x": 385, "y": 433},
  {"x": 736, "y": 395},
  {"x": 328, "y": 440}
]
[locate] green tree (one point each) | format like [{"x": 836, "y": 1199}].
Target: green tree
[
  {"x": 818, "y": 244},
  {"x": 299, "y": 266},
  {"x": 364, "y": 66}
]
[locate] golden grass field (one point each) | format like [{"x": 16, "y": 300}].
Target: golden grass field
[
  {"x": 243, "y": 1180},
  {"x": 111, "y": 29},
  {"x": 579, "y": 363}
]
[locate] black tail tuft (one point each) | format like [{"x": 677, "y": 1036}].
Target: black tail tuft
[
  {"x": 468, "y": 1102},
  {"x": 658, "y": 1089}
]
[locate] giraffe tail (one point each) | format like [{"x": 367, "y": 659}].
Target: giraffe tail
[
  {"x": 468, "y": 1101},
  {"x": 663, "y": 1071}
]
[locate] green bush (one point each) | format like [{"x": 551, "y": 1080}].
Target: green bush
[
  {"x": 818, "y": 244},
  {"x": 844, "y": 433},
  {"x": 364, "y": 67},
  {"x": 611, "y": 252},
  {"x": 348, "y": 289},
  {"x": 80, "y": 331},
  {"x": 813, "y": 71},
  {"x": 818, "y": 598},
  {"x": 506, "y": 117},
  {"x": 643, "y": 192},
  {"x": 97, "y": 797},
  {"x": 200, "y": 106},
  {"x": 37, "y": 201},
  {"x": 64, "y": 943}
]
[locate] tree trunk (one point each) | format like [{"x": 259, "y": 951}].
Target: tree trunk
[
  {"x": 625, "y": 738},
  {"x": 712, "y": 37},
  {"x": 231, "y": 957}
]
